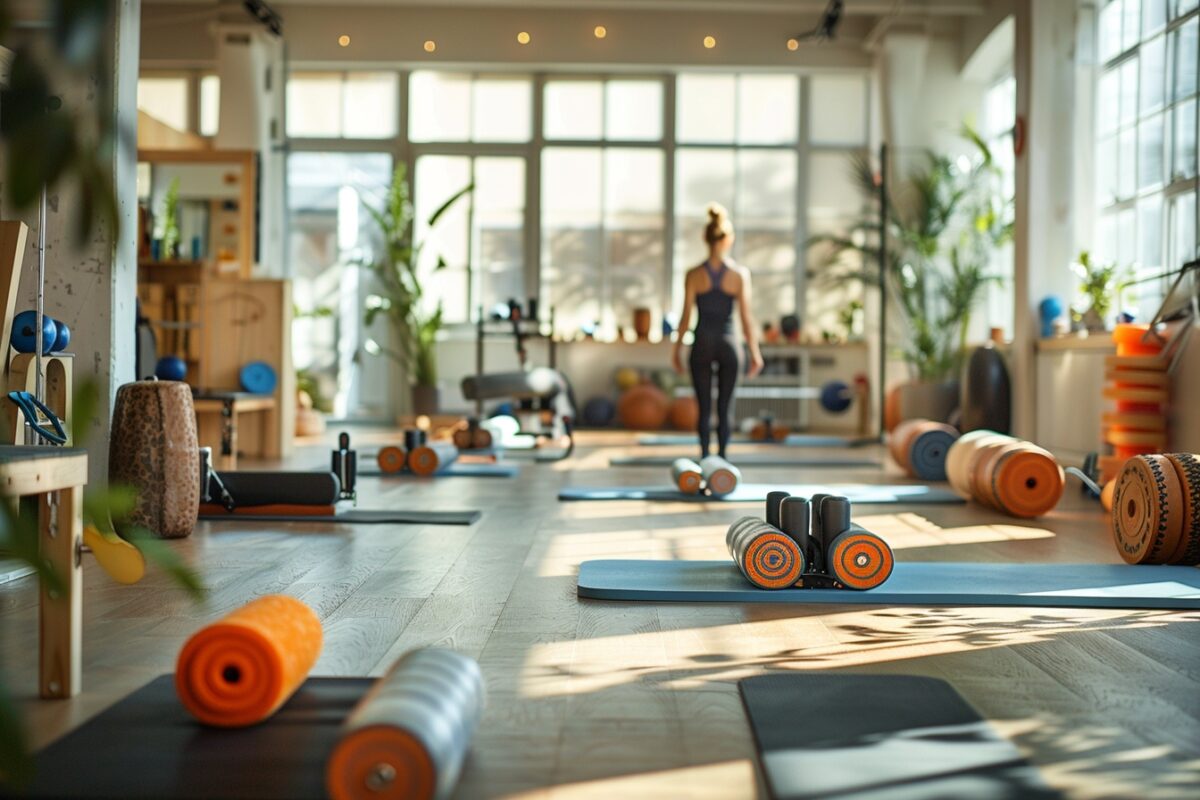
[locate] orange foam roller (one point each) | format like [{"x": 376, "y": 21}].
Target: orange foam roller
[
  {"x": 1025, "y": 481},
  {"x": 427, "y": 459},
  {"x": 391, "y": 460},
  {"x": 240, "y": 670}
]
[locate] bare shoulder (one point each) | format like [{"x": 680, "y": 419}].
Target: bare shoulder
[
  {"x": 739, "y": 276},
  {"x": 693, "y": 275}
]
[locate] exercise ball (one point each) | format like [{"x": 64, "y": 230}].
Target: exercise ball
[
  {"x": 627, "y": 378},
  {"x": 258, "y": 377},
  {"x": 63, "y": 339},
  {"x": 643, "y": 408},
  {"x": 23, "y": 338},
  {"x": 1050, "y": 309},
  {"x": 684, "y": 413},
  {"x": 836, "y": 397},
  {"x": 598, "y": 412},
  {"x": 170, "y": 368},
  {"x": 665, "y": 379},
  {"x": 986, "y": 392},
  {"x": 891, "y": 409},
  {"x": 153, "y": 450}
]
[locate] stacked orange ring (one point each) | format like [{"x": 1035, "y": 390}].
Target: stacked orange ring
[
  {"x": 1156, "y": 510},
  {"x": 859, "y": 559},
  {"x": 767, "y": 557},
  {"x": 1137, "y": 383}
]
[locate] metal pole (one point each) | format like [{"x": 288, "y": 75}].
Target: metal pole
[
  {"x": 39, "y": 390},
  {"x": 881, "y": 391}
]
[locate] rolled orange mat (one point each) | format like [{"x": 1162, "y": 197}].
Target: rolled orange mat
[
  {"x": 240, "y": 670},
  {"x": 1026, "y": 481}
]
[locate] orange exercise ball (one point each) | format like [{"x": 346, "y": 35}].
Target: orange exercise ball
[
  {"x": 891, "y": 409},
  {"x": 684, "y": 413},
  {"x": 643, "y": 408}
]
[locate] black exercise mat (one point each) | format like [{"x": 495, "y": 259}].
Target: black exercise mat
[
  {"x": 361, "y": 516},
  {"x": 776, "y": 459},
  {"x": 882, "y": 737},
  {"x": 147, "y": 746}
]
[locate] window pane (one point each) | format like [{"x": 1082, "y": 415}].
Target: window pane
[
  {"x": 1106, "y": 170},
  {"x": 571, "y": 252},
  {"x": 1153, "y": 59},
  {"x": 1185, "y": 60},
  {"x": 1129, "y": 86},
  {"x": 1150, "y": 234},
  {"x": 1108, "y": 102},
  {"x": 1126, "y": 237},
  {"x": 1183, "y": 164},
  {"x": 1110, "y": 30},
  {"x": 1127, "y": 176},
  {"x": 165, "y": 99},
  {"x": 633, "y": 110},
  {"x": 1106, "y": 238},
  {"x": 210, "y": 105},
  {"x": 502, "y": 110},
  {"x": 1154, "y": 15},
  {"x": 1000, "y": 108},
  {"x": 633, "y": 227},
  {"x": 369, "y": 105},
  {"x": 314, "y": 104},
  {"x": 438, "y": 178},
  {"x": 498, "y": 220},
  {"x": 766, "y": 112},
  {"x": 705, "y": 108},
  {"x": 1131, "y": 24},
  {"x": 574, "y": 110},
  {"x": 834, "y": 197},
  {"x": 439, "y": 107},
  {"x": 765, "y": 212},
  {"x": 1150, "y": 152},
  {"x": 1181, "y": 7},
  {"x": 837, "y": 109},
  {"x": 1183, "y": 229}
]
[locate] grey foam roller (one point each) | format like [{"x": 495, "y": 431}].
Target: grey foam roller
[
  {"x": 765, "y": 556},
  {"x": 720, "y": 477},
  {"x": 794, "y": 515},
  {"x": 432, "y": 457},
  {"x": 432, "y": 697},
  {"x": 774, "y": 500},
  {"x": 687, "y": 475}
]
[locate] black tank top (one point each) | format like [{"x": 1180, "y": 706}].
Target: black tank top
[{"x": 714, "y": 307}]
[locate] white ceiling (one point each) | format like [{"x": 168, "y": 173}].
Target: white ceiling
[{"x": 852, "y": 7}]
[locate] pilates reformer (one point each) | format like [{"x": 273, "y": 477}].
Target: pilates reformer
[{"x": 543, "y": 394}]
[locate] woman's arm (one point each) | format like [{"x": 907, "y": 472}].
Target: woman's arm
[
  {"x": 685, "y": 322},
  {"x": 749, "y": 327}
]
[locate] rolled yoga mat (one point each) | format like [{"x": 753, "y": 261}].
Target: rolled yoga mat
[
  {"x": 920, "y": 447},
  {"x": 240, "y": 670},
  {"x": 911, "y": 584},
  {"x": 754, "y": 460},
  {"x": 886, "y": 737},
  {"x": 687, "y": 475},
  {"x": 432, "y": 457},
  {"x": 254, "y": 489},
  {"x": 1156, "y": 510},
  {"x": 282, "y": 758},
  {"x": 1007, "y": 474},
  {"x": 356, "y": 516},
  {"x": 720, "y": 477},
  {"x": 409, "y": 736},
  {"x": 882, "y": 494}
]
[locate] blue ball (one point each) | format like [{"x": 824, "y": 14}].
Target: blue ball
[
  {"x": 64, "y": 337},
  {"x": 599, "y": 412},
  {"x": 1050, "y": 309},
  {"x": 170, "y": 368},
  {"x": 835, "y": 397},
  {"x": 258, "y": 377},
  {"x": 23, "y": 338}
]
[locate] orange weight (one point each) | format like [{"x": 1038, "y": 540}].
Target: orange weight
[
  {"x": 1147, "y": 514},
  {"x": 240, "y": 670},
  {"x": 1133, "y": 422},
  {"x": 391, "y": 460},
  {"x": 860, "y": 560}
]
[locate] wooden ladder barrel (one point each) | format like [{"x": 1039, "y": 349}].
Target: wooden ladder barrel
[{"x": 153, "y": 449}]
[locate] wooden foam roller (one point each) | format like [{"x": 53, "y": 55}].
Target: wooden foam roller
[
  {"x": 1133, "y": 438},
  {"x": 767, "y": 557},
  {"x": 408, "y": 737},
  {"x": 1147, "y": 513},
  {"x": 432, "y": 457},
  {"x": 959, "y": 457},
  {"x": 1187, "y": 552},
  {"x": 240, "y": 670},
  {"x": 687, "y": 476},
  {"x": 720, "y": 477},
  {"x": 1136, "y": 394},
  {"x": 1023, "y": 480}
]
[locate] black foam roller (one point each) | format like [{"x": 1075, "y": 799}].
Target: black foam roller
[
  {"x": 794, "y": 516},
  {"x": 280, "y": 488},
  {"x": 774, "y": 500}
]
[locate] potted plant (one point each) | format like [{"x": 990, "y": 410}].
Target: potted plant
[
  {"x": 944, "y": 222},
  {"x": 399, "y": 293},
  {"x": 1100, "y": 285}
]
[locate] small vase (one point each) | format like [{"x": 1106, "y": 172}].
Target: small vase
[{"x": 425, "y": 400}]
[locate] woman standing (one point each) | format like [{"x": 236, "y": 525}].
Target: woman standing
[{"x": 713, "y": 288}]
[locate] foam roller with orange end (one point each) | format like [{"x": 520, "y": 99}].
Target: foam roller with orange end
[
  {"x": 687, "y": 476},
  {"x": 1025, "y": 481},
  {"x": 1106, "y": 495},
  {"x": 767, "y": 557},
  {"x": 720, "y": 477},
  {"x": 240, "y": 670},
  {"x": 920, "y": 447},
  {"x": 391, "y": 460},
  {"x": 432, "y": 457},
  {"x": 859, "y": 559},
  {"x": 408, "y": 737},
  {"x": 962, "y": 452}
]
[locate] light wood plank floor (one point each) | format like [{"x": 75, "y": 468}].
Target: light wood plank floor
[{"x": 596, "y": 699}]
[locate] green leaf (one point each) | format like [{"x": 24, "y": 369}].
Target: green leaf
[{"x": 446, "y": 206}]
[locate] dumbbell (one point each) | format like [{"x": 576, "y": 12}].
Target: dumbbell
[{"x": 55, "y": 334}]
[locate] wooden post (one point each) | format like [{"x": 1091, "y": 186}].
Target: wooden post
[{"x": 60, "y": 527}]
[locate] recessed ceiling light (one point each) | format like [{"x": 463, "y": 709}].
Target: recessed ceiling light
[
  {"x": 600, "y": 31},
  {"x": 430, "y": 45},
  {"x": 793, "y": 44},
  {"x": 523, "y": 37},
  {"x": 344, "y": 40},
  {"x": 710, "y": 42}
]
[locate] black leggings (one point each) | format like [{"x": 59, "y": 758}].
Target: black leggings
[{"x": 724, "y": 353}]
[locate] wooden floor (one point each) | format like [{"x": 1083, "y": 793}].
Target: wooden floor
[{"x": 601, "y": 699}]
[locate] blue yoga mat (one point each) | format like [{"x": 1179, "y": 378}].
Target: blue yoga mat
[
  {"x": 880, "y": 494},
  {"x": 911, "y": 584},
  {"x": 455, "y": 470},
  {"x": 775, "y": 459},
  {"x": 791, "y": 440}
]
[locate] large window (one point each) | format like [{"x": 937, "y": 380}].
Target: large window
[
  {"x": 335, "y": 105},
  {"x": 165, "y": 99},
  {"x": 1146, "y": 140}
]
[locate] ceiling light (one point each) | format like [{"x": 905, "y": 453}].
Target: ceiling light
[
  {"x": 793, "y": 44},
  {"x": 523, "y": 37},
  {"x": 710, "y": 42},
  {"x": 344, "y": 40},
  {"x": 600, "y": 31},
  {"x": 430, "y": 45}
]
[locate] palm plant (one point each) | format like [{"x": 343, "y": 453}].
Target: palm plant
[
  {"x": 943, "y": 224},
  {"x": 401, "y": 296}
]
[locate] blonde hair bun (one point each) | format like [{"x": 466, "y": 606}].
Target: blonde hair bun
[{"x": 718, "y": 226}]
